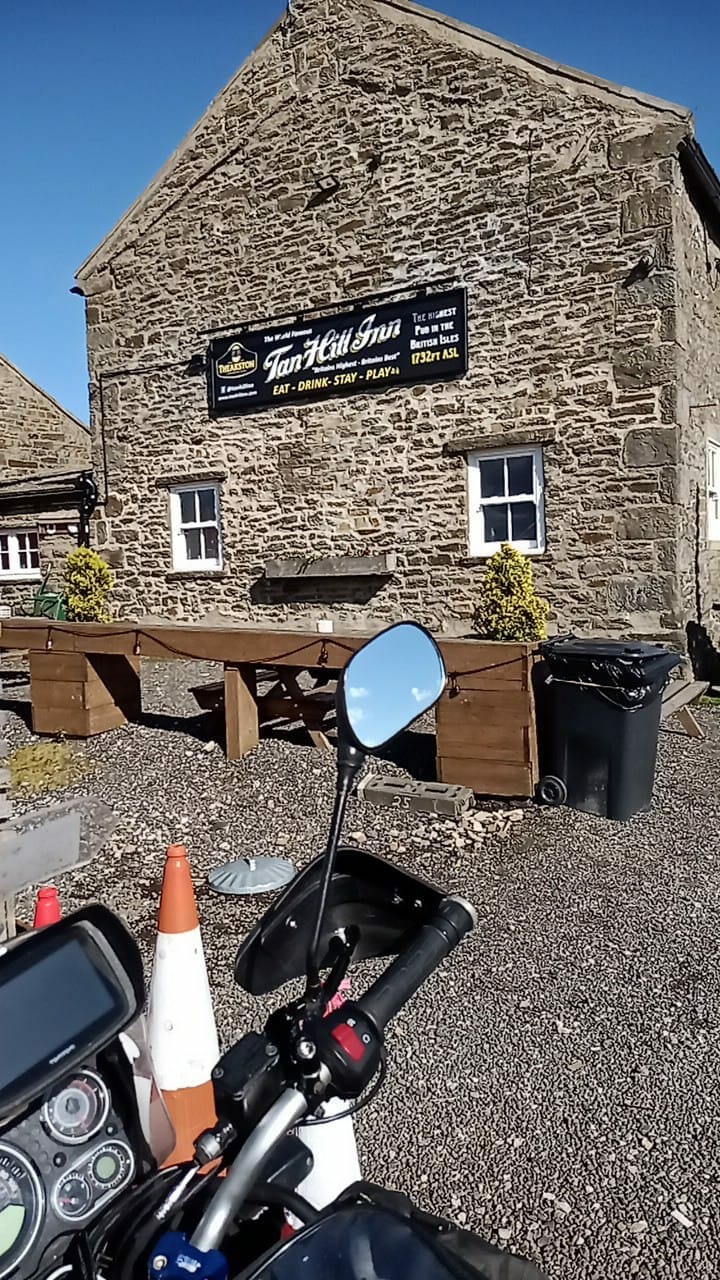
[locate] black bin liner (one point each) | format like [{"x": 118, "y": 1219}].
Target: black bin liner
[{"x": 602, "y": 718}]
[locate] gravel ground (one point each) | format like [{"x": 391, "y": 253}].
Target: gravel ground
[{"x": 555, "y": 1086}]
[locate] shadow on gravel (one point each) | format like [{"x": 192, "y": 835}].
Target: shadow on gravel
[
  {"x": 203, "y": 727},
  {"x": 13, "y": 679},
  {"x": 20, "y": 707}
]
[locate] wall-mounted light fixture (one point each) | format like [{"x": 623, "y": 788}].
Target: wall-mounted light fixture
[
  {"x": 327, "y": 186},
  {"x": 196, "y": 365}
]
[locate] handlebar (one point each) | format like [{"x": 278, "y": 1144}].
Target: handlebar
[
  {"x": 453, "y": 919},
  {"x": 385, "y": 998},
  {"x": 283, "y": 1115}
]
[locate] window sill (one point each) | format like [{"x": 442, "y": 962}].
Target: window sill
[
  {"x": 480, "y": 557},
  {"x": 20, "y": 578},
  {"x": 178, "y": 575}
]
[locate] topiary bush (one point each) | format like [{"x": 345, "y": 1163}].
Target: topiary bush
[
  {"x": 88, "y": 583},
  {"x": 509, "y": 607}
]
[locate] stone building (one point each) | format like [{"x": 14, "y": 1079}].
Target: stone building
[
  {"x": 46, "y": 487},
  {"x": 373, "y": 153}
]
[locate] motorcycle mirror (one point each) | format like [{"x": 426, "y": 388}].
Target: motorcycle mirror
[{"x": 388, "y": 684}]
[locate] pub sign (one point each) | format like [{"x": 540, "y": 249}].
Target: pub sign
[{"x": 422, "y": 339}]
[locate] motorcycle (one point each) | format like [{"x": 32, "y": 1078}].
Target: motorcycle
[{"x": 83, "y": 1192}]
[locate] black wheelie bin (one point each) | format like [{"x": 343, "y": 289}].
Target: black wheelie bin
[{"x": 602, "y": 716}]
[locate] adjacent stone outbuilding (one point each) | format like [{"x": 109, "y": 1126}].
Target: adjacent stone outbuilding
[
  {"x": 46, "y": 487},
  {"x": 369, "y": 147}
]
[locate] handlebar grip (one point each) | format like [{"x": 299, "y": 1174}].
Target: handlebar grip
[{"x": 434, "y": 941}]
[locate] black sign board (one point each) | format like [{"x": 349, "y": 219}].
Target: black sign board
[{"x": 418, "y": 340}]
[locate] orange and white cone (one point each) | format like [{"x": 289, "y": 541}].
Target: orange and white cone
[
  {"x": 181, "y": 1025},
  {"x": 47, "y": 908}
]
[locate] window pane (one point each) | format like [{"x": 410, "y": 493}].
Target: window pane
[
  {"x": 4, "y": 554},
  {"x": 210, "y": 538},
  {"x": 520, "y": 474},
  {"x": 524, "y": 522},
  {"x": 22, "y": 554},
  {"x": 187, "y": 506},
  {"x": 496, "y": 523},
  {"x": 207, "y": 504},
  {"x": 193, "y": 549},
  {"x": 492, "y": 477}
]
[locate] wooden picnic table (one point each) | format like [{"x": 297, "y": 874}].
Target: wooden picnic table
[{"x": 85, "y": 679}]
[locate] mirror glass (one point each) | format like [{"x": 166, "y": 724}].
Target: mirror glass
[{"x": 390, "y": 682}]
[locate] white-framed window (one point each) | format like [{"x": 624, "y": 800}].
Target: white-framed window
[
  {"x": 506, "y": 500},
  {"x": 19, "y": 554},
  {"x": 713, "y": 491},
  {"x": 195, "y": 526}
]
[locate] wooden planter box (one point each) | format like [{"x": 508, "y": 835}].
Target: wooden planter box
[
  {"x": 79, "y": 694},
  {"x": 486, "y": 729}
]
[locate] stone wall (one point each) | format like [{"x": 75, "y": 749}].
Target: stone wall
[
  {"x": 698, "y": 411},
  {"x": 454, "y": 159},
  {"x": 37, "y": 436}
]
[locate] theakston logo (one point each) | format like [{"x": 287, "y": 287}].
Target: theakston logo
[{"x": 237, "y": 362}]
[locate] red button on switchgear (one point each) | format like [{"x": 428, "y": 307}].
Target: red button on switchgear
[{"x": 349, "y": 1040}]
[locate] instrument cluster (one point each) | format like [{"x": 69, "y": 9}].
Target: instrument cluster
[{"x": 58, "y": 1168}]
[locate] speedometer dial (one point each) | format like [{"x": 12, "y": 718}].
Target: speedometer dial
[
  {"x": 21, "y": 1207},
  {"x": 74, "y": 1112}
]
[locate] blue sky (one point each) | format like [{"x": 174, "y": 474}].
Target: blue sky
[{"x": 95, "y": 95}]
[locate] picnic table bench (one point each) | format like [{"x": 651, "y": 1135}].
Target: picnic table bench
[
  {"x": 677, "y": 700},
  {"x": 285, "y": 700}
]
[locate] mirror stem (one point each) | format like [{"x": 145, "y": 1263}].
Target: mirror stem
[{"x": 350, "y": 762}]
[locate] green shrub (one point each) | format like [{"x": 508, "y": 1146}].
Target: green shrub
[
  {"x": 509, "y": 608},
  {"x": 88, "y": 583}
]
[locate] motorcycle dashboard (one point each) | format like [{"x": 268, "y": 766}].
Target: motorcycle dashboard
[{"x": 65, "y": 993}]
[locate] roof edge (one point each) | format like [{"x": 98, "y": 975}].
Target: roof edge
[
  {"x": 535, "y": 59},
  {"x": 702, "y": 184},
  {"x": 45, "y": 394}
]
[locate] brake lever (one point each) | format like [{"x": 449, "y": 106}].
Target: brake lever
[{"x": 346, "y": 946}]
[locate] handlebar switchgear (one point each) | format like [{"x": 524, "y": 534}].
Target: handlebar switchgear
[{"x": 349, "y": 1046}]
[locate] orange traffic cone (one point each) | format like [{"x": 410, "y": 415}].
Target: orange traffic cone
[
  {"x": 47, "y": 908},
  {"x": 181, "y": 1024}
]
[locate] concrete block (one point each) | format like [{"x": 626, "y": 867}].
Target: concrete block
[
  {"x": 442, "y": 797},
  {"x": 424, "y": 797},
  {"x": 383, "y": 790}
]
